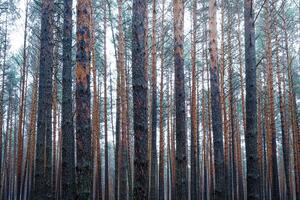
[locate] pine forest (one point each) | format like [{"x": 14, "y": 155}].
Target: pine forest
[{"x": 149, "y": 100}]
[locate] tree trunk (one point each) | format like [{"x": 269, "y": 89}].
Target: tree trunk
[
  {"x": 215, "y": 105},
  {"x": 67, "y": 128},
  {"x": 43, "y": 185},
  {"x": 139, "y": 85},
  {"x": 251, "y": 110},
  {"x": 105, "y": 105},
  {"x": 232, "y": 153},
  {"x": 272, "y": 126},
  {"x": 194, "y": 131},
  {"x": 124, "y": 108},
  {"x": 83, "y": 119},
  {"x": 284, "y": 131},
  {"x": 161, "y": 112},
  {"x": 118, "y": 102},
  {"x": 293, "y": 111},
  {"x": 96, "y": 154},
  {"x": 22, "y": 111},
  {"x": 181, "y": 136},
  {"x": 153, "y": 177}
]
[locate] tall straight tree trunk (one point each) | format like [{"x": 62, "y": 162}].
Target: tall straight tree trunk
[
  {"x": 260, "y": 145},
  {"x": 265, "y": 143},
  {"x": 83, "y": 96},
  {"x": 240, "y": 157},
  {"x": 8, "y": 149},
  {"x": 129, "y": 156},
  {"x": 153, "y": 178},
  {"x": 105, "y": 104},
  {"x": 215, "y": 105},
  {"x": 271, "y": 108},
  {"x": 240, "y": 60},
  {"x": 97, "y": 173},
  {"x": 117, "y": 138},
  {"x": 123, "y": 152},
  {"x": 2, "y": 109},
  {"x": 172, "y": 138},
  {"x": 251, "y": 110},
  {"x": 54, "y": 112},
  {"x": 204, "y": 144},
  {"x": 31, "y": 137},
  {"x": 43, "y": 185},
  {"x": 161, "y": 112},
  {"x": 139, "y": 84},
  {"x": 21, "y": 110},
  {"x": 194, "y": 130},
  {"x": 181, "y": 191},
  {"x": 293, "y": 111},
  {"x": 232, "y": 169},
  {"x": 284, "y": 131},
  {"x": 223, "y": 98},
  {"x": 67, "y": 128}
]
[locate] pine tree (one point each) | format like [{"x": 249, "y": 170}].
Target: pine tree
[
  {"x": 67, "y": 128},
  {"x": 251, "y": 102},
  {"x": 215, "y": 105},
  {"x": 139, "y": 85},
  {"x": 153, "y": 177},
  {"x": 83, "y": 118},
  {"x": 181, "y": 137},
  {"x": 43, "y": 168}
]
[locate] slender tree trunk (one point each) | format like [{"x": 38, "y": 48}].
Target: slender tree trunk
[
  {"x": 271, "y": 108},
  {"x": 194, "y": 132},
  {"x": 172, "y": 137},
  {"x": 161, "y": 112},
  {"x": 54, "y": 114},
  {"x": 233, "y": 183},
  {"x": 139, "y": 84},
  {"x": 43, "y": 186},
  {"x": 21, "y": 111},
  {"x": 284, "y": 131},
  {"x": 260, "y": 139},
  {"x": 2, "y": 110},
  {"x": 31, "y": 139},
  {"x": 240, "y": 157},
  {"x": 96, "y": 154},
  {"x": 105, "y": 106},
  {"x": 293, "y": 112},
  {"x": 153, "y": 178},
  {"x": 67, "y": 128},
  {"x": 251, "y": 110},
  {"x": 83, "y": 119},
  {"x": 204, "y": 143},
  {"x": 181, "y": 136},
  {"x": 124, "y": 108},
  {"x": 215, "y": 105},
  {"x": 117, "y": 139}
]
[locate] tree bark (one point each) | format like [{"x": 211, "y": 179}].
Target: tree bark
[
  {"x": 271, "y": 108},
  {"x": 67, "y": 128},
  {"x": 105, "y": 105},
  {"x": 43, "y": 188},
  {"x": 181, "y": 190},
  {"x": 139, "y": 84},
  {"x": 83, "y": 96},
  {"x": 251, "y": 110},
  {"x": 161, "y": 112},
  {"x": 21, "y": 110},
  {"x": 215, "y": 105},
  {"x": 153, "y": 177},
  {"x": 194, "y": 130}
]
